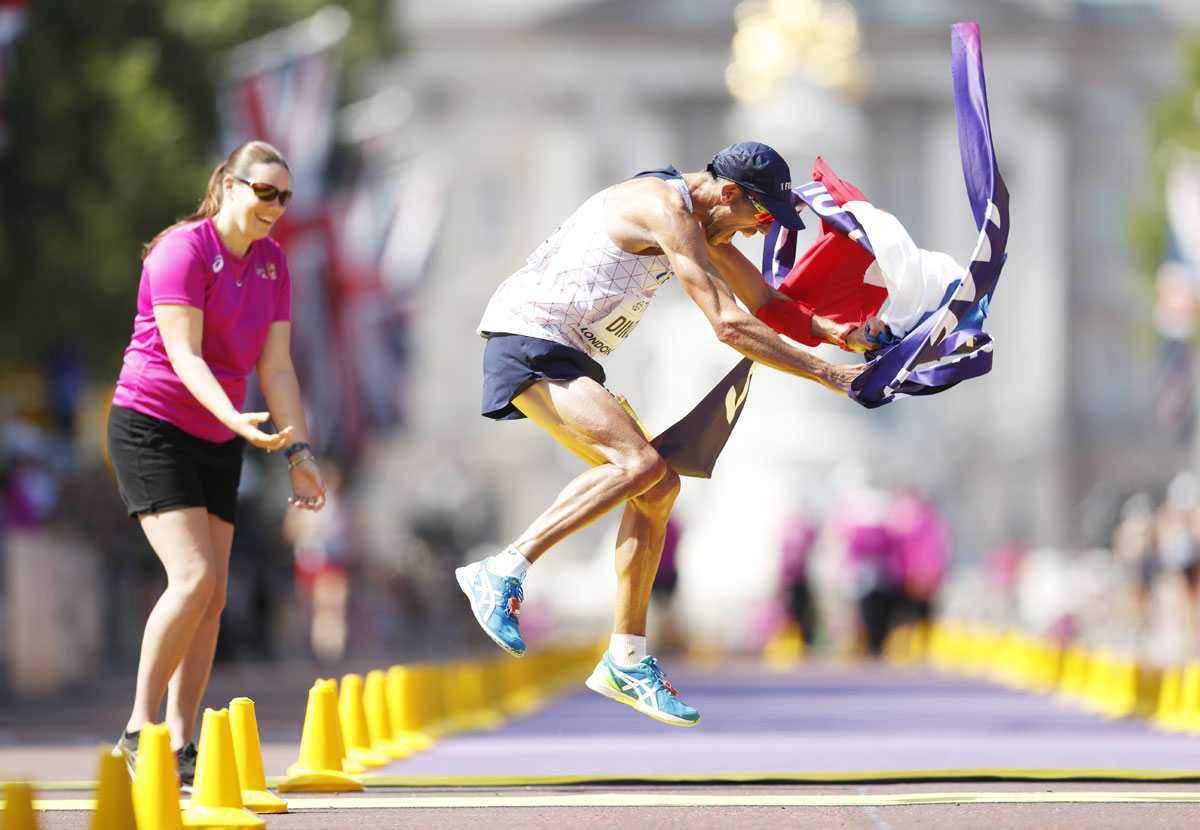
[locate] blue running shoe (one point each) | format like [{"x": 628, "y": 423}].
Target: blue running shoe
[
  {"x": 496, "y": 602},
  {"x": 644, "y": 687}
]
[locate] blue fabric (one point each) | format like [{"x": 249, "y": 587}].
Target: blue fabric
[
  {"x": 953, "y": 328},
  {"x": 513, "y": 362}
]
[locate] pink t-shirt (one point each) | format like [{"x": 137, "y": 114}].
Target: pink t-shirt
[{"x": 240, "y": 299}]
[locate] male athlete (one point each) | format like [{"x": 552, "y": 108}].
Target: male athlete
[{"x": 578, "y": 297}]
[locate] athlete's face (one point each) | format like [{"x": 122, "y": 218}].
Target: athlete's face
[
  {"x": 253, "y": 213},
  {"x": 734, "y": 214}
]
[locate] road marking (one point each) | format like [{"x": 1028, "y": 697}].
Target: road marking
[
  {"x": 298, "y": 802},
  {"x": 375, "y": 779}
]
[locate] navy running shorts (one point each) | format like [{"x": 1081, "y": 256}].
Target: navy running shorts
[
  {"x": 160, "y": 467},
  {"x": 513, "y": 362}
]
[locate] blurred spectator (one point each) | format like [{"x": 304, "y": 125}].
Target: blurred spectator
[
  {"x": 66, "y": 377},
  {"x": 260, "y": 568},
  {"x": 1136, "y": 553},
  {"x": 860, "y": 522},
  {"x": 322, "y": 544},
  {"x": 1175, "y": 527},
  {"x": 921, "y": 549},
  {"x": 800, "y": 534},
  {"x": 1175, "y": 541}
]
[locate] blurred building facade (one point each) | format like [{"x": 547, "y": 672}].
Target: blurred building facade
[{"x": 539, "y": 103}]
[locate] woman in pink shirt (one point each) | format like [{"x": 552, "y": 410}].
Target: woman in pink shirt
[{"x": 214, "y": 304}]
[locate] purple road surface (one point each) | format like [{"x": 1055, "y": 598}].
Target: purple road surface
[{"x": 823, "y": 718}]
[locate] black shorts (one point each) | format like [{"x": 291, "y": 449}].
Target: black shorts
[
  {"x": 513, "y": 362},
  {"x": 160, "y": 467}
]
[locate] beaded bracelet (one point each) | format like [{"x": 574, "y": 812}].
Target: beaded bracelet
[
  {"x": 294, "y": 464},
  {"x": 292, "y": 449}
]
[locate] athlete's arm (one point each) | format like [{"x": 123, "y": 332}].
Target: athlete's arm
[
  {"x": 742, "y": 277},
  {"x": 679, "y": 236}
]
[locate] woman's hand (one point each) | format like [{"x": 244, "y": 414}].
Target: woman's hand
[
  {"x": 308, "y": 485},
  {"x": 246, "y": 424}
]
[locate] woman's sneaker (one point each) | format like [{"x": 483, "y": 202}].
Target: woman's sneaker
[
  {"x": 185, "y": 761},
  {"x": 127, "y": 748},
  {"x": 644, "y": 687}
]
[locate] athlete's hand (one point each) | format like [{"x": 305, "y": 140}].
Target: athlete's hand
[
  {"x": 839, "y": 378},
  {"x": 246, "y": 425},
  {"x": 857, "y": 340}
]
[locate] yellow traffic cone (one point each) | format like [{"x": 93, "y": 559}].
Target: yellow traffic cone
[
  {"x": 1073, "y": 677},
  {"x": 155, "y": 788},
  {"x": 1187, "y": 716},
  {"x": 217, "y": 794},
  {"x": 350, "y": 765},
  {"x": 247, "y": 751},
  {"x": 379, "y": 720},
  {"x": 517, "y": 702},
  {"x": 1168, "y": 698},
  {"x": 492, "y": 683},
  {"x": 474, "y": 711},
  {"x": 435, "y": 706},
  {"x": 405, "y": 710},
  {"x": 355, "y": 733},
  {"x": 530, "y": 696},
  {"x": 1149, "y": 687},
  {"x": 784, "y": 649},
  {"x": 114, "y": 794},
  {"x": 319, "y": 769},
  {"x": 1119, "y": 697},
  {"x": 18, "y": 807}
]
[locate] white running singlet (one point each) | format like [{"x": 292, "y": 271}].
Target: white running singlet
[{"x": 578, "y": 288}]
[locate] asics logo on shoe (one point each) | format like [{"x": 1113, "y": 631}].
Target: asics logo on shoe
[{"x": 642, "y": 688}]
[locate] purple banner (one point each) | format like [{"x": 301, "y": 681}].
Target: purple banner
[
  {"x": 779, "y": 247},
  {"x": 951, "y": 332}
]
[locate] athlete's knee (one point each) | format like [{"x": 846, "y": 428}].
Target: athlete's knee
[
  {"x": 661, "y": 496},
  {"x": 647, "y": 471}
]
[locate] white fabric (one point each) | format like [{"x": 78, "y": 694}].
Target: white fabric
[
  {"x": 627, "y": 650},
  {"x": 578, "y": 288},
  {"x": 509, "y": 562},
  {"x": 916, "y": 279}
]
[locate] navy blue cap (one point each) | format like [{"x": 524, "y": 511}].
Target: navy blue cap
[{"x": 761, "y": 170}]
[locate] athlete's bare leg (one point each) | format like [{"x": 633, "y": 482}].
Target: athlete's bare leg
[{"x": 585, "y": 418}]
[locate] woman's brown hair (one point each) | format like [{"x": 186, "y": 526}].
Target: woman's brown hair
[{"x": 238, "y": 165}]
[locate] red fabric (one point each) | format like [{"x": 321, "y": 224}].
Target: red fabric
[
  {"x": 789, "y": 317},
  {"x": 828, "y": 278}
]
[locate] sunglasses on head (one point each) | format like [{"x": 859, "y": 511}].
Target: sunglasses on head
[
  {"x": 763, "y": 215},
  {"x": 267, "y": 192}
]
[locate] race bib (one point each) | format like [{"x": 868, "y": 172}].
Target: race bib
[{"x": 606, "y": 334}]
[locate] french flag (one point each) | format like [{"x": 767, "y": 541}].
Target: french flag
[
  {"x": 947, "y": 343},
  {"x": 934, "y": 307}
]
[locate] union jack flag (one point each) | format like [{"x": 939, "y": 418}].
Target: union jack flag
[{"x": 356, "y": 250}]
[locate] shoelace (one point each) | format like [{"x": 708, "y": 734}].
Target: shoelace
[
  {"x": 660, "y": 675},
  {"x": 513, "y": 590}
]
